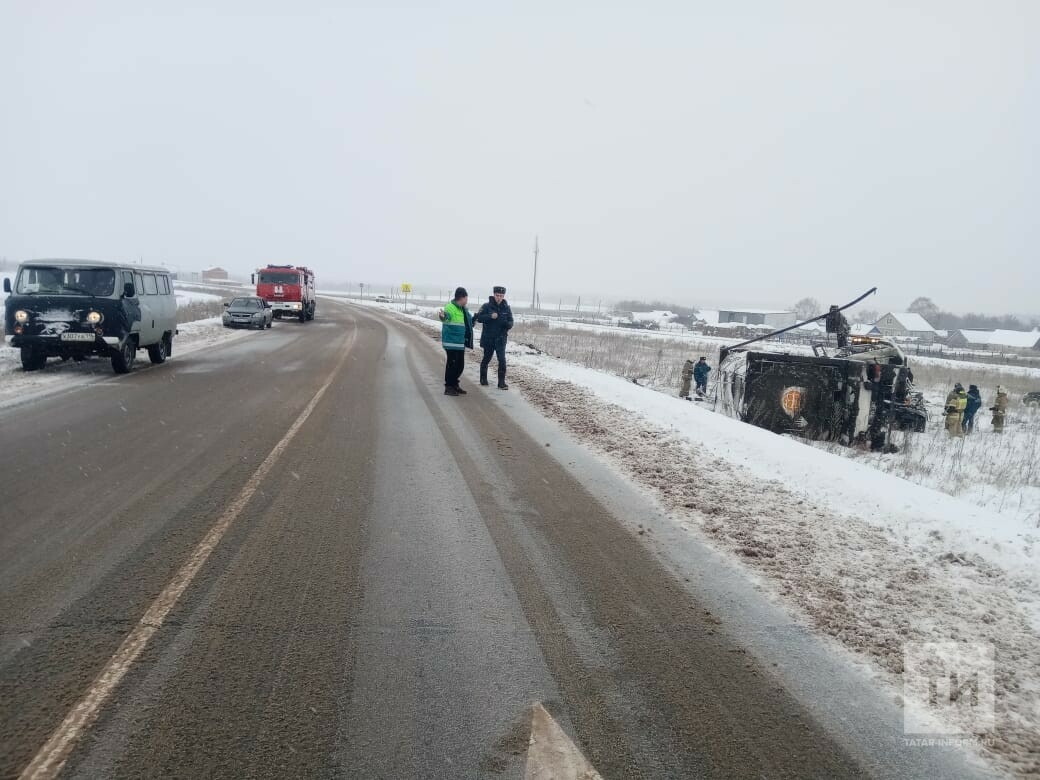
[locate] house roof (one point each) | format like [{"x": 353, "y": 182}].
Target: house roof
[
  {"x": 644, "y": 316},
  {"x": 911, "y": 321},
  {"x": 1003, "y": 338},
  {"x": 861, "y": 329},
  {"x": 758, "y": 311}
]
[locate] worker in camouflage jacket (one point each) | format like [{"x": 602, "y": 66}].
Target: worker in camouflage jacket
[
  {"x": 956, "y": 402},
  {"x": 687, "y": 377},
  {"x": 999, "y": 410},
  {"x": 496, "y": 319}
]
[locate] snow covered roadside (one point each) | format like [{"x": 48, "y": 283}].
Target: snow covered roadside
[
  {"x": 866, "y": 558},
  {"x": 184, "y": 297},
  {"x": 16, "y": 384},
  {"x": 869, "y": 559}
]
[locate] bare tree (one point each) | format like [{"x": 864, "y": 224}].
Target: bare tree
[
  {"x": 926, "y": 308},
  {"x": 807, "y": 308},
  {"x": 867, "y": 316}
]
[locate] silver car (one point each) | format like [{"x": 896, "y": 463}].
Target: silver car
[{"x": 248, "y": 312}]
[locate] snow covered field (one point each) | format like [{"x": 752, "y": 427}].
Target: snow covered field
[
  {"x": 873, "y": 561},
  {"x": 996, "y": 473}
]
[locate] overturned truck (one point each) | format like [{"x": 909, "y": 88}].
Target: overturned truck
[{"x": 855, "y": 393}]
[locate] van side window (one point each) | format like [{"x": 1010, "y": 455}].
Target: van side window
[
  {"x": 149, "y": 284},
  {"x": 164, "y": 287},
  {"x": 138, "y": 283},
  {"x": 128, "y": 278}
]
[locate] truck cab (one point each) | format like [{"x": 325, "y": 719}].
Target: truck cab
[{"x": 289, "y": 289}]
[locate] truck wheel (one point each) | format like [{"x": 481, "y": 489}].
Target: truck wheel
[
  {"x": 33, "y": 359},
  {"x": 123, "y": 360},
  {"x": 157, "y": 352},
  {"x": 303, "y": 316}
]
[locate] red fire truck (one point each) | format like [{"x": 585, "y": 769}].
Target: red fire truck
[{"x": 289, "y": 289}]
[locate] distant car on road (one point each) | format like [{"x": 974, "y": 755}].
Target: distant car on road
[
  {"x": 382, "y": 299},
  {"x": 1032, "y": 399},
  {"x": 248, "y": 312}
]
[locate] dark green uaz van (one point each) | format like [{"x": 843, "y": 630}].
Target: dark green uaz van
[{"x": 74, "y": 308}]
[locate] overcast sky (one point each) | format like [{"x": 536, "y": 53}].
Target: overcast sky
[{"x": 711, "y": 153}]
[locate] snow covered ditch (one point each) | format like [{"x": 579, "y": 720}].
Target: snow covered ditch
[
  {"x": 876, "y": 562},
  {"x": 873, "y": 561}
]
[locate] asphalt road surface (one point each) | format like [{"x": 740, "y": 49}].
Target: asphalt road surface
[{"x": 293, "y": 556}]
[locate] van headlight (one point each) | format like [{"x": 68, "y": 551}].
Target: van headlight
[
  {"x": 95, "y": 318},
  {"x": 21, "y": 316}
]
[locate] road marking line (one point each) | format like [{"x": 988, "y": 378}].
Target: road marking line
[
  {"x": 551, "y": 754},
  {"x": 50, "y": 759}
]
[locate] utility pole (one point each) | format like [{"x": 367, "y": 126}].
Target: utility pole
[{"x": 534, "y": 284}]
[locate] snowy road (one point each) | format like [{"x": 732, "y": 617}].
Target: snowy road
[{"x": 291, "y": 556}]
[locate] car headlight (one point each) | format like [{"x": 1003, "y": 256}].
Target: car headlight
[
  {"x": 21, "y": 316},
  {"x": 95, "y": 318}
]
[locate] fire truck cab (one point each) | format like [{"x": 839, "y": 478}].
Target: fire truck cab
[{"x": 289, "y": 289}]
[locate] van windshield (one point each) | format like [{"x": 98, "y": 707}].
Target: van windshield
[
  {"x": 57, "y": 280},
  {"x": 268, "y": 277}
]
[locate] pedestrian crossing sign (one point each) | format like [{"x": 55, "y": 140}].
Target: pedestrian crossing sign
[{"x": 406, "y": 288}]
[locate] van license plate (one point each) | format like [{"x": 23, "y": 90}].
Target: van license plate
[{"x": 77, "y": 336}]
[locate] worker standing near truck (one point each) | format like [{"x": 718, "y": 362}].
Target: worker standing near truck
[
  {"x": 956, "y": 403},
  {"x": 700, "y": 377},
  {"x": 687, "y": 377},
  {"x": 999, "y": 410}
]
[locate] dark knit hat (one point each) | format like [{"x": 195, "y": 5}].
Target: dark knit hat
[
  {"x": 499, "y": 289},
  {"x": 460, "y": 292}
]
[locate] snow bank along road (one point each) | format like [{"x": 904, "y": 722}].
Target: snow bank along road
[{"x": 292, "y": 556}]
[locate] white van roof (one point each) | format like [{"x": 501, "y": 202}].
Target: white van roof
[{"x": 66, "y": 263}]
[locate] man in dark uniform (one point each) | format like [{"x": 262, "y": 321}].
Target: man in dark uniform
[
  {"x": 496, "y": 318},
  {"x": 700, "y": 376}
]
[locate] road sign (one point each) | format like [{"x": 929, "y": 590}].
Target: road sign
[{"x": 406, "y": 288}]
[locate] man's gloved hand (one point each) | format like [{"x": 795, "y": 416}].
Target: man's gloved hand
[{"x": 443, "y": 315}]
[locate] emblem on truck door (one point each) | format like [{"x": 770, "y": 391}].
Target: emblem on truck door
[{"x": 791, "y": 400}]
